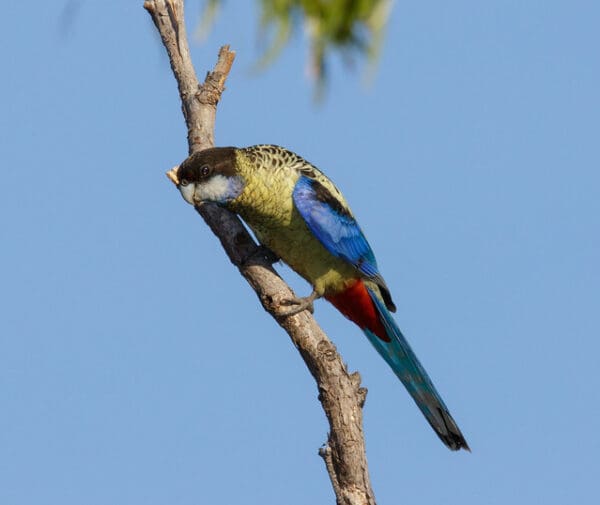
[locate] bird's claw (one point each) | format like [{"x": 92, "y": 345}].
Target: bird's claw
[
  {"x": 297, "y": 305},
  {"x": 294, "y": 306}
]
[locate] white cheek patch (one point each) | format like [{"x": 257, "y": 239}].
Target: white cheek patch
[
  {"x": 215, "y": 189},
  {"x": 188, "y": 193}
]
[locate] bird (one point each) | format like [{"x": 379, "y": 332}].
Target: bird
[{"x": 298, "y": 213}]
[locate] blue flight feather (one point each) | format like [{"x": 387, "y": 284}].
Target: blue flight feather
[{"x": 337, "y": 230}]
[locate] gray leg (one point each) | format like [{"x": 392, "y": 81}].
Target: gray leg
[{"x": 298, "y": 305}]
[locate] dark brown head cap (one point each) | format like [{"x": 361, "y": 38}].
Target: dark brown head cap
[{"x": 203, "y": 164}]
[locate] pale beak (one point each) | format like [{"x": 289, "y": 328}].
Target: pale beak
[{"x": 172, "y": 175}]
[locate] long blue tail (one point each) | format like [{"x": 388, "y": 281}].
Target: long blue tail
[{"x": 405, "y": 364}]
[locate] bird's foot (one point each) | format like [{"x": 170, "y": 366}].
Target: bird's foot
[
  {"x": 294, "y": 306},
  {"x": 262, "y": 252}
]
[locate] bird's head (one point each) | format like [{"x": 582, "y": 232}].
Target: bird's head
[{"x": 210, "y": 176}]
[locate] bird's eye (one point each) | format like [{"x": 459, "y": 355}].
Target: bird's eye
[
  {"x": 204, "y": 170},
  {"x": 184, "y": 182}
]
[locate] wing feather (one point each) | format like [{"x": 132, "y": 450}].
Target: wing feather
[{"x": 332, "y": 223}]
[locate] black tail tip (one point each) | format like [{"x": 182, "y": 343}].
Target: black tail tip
[
  {"x": 450, "y": 434},
  {"x": 456, "y": 442},
  {"x": 453, "y": 439}
]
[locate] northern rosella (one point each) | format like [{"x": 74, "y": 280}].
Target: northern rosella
[{"x": 298, "y": 213}]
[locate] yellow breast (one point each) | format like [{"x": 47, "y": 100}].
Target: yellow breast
[{"x": 266, "y": 205}]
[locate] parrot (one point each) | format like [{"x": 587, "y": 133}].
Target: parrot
[{"x": 297, "y": 212}]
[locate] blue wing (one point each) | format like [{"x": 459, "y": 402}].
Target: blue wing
[{"x": 333, "y": 225}]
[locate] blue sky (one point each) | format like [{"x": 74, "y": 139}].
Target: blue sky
[{"x": 136, "y": 366}]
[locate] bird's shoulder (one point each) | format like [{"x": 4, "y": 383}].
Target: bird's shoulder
[{"x": 279, "y": 158}]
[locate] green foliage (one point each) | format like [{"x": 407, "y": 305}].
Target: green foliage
[
  {"x": 346, "y": 26},
  {"x": 209, "y": 13}
]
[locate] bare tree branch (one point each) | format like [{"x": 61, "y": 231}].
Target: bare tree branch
[{"x": 340, "y": 393}]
